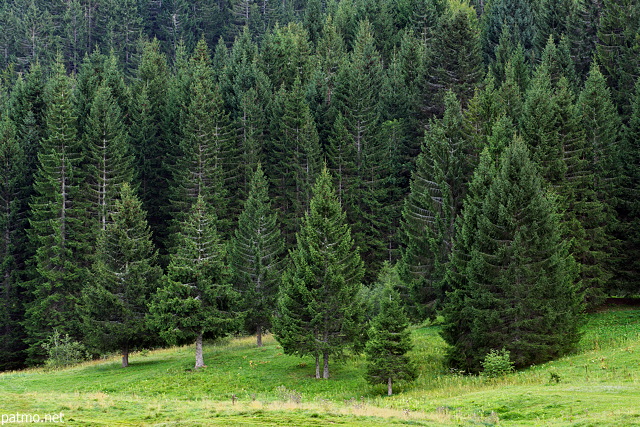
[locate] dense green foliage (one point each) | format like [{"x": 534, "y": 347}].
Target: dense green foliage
[
  {"x": 195, "y": 299},
  {"x": 183, "y": 100},
  {"x": 512, "y": 277},
  {"x": 389, "y": 342},
  {"x": 124, "y": 275},
  {"x": 257, "y": 252},
  {"x": 318, "y": 309}
]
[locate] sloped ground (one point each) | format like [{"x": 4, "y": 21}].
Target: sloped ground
[{"x": 245, "y": 385}]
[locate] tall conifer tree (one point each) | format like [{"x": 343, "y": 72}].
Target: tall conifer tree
[
  {"x": 318, "y": 309},
  {"x": 109, "y": 163},
  {"x": 124, "y": 275},
  {"x": 13, "y": 191},
  {"x": 438, "y": 188},
  {"x": 512, "y": 276},
  {"x": 57, "y": 221},
  {"x": 195, "y": 300},
  {"x": 257, "y": 257}
]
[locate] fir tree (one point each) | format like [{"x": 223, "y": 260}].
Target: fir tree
[
  {"x": 57, "y": 221},
  {"x": 318, "y": 310},
  {"x": 195, "y": 300},
  {"x": 295, "y": 156},
  {"x": 13, "y": 192},
  {"x": 456, "y": 60},
  {"x": 206, "y": 147},
  {"x": 628, "y": 265},
  {"x": 389, "y": 342},
  {"x": 125, "y": 272},
  {"x": 512, "y": 276},
  {"x": 108, "y": 163},
  {"x": 438, "y": 187},
  {"x": 257, "y": 257}
]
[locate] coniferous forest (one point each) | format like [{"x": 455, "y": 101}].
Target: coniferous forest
[{"x": 324, "y": 170}]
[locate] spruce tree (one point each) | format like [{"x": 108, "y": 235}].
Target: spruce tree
[
  {"x": 318, "y": 310},
  {"x": 295, "y": 157},
  {"x": 124, "y": 275},
  {"x": 358, "y": 96},
  {"x": 57, "y": 220},
  {"x": 518, "y": 16},
  {"x": 257, "y": 257},
  {"x": 388, "y": 343},
  {"x": 13, "y": 190},
  {"x": 618, "y": 49},
  {"x": 628, "y": 265},
  {"x": 108, "y": 163},
  {"x": 512, "y": 277},
  {"x": 455, "y": 61},
  {"x": 195, "y": 300},
  {"x": 438, "y": 187},
  {"x": 601, "y": 124},
  {"x": 152, "y": 138},
  {"x": 206, "y": 147}
]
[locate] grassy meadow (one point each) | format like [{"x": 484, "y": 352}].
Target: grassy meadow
[{"x": 245, "y": 385}]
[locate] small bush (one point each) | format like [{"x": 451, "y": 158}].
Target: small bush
[
  {"x": 554, "y": 377},
  {"x": 497, "y": 363},
  {"x": 62, "y": 351}
]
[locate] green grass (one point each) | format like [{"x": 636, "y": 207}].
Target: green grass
[{"x": 245, "y": 385}]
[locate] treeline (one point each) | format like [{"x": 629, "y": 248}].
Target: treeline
[{"x": 159, "y": 162}]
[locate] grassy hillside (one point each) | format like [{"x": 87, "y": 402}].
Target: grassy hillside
[{"x": 245, "y": 385}]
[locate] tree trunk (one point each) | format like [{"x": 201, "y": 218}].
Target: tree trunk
[
  {"x": 325, "y": 374},
  {"x": 389, "y": 388},
  {"x": 259, "y": 336},
  {"x": 317, "y": 366},
  {"x": 199, "y": 357},
  {"x": 125, "y": 357}
]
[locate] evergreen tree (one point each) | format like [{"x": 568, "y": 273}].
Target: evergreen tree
[
  {"x": 582, "y": 30},
  {"x": 517, "y": 16},
  {"x": 152, "y": 138},
  {"x": 512, "y": 277},
  {"x": 359, "y": 103},
  {"x": 540, "y": 129},
  {"x": 551, "y": 22},
  {"x": 286, "y": 55},
  {"x": 257, "y": 257},
  {"x": 628, "y": 266},
  {"x": 438, "y": 187},
  {"x": 57, "y": 221},
  {"x": 206, "y": 147},
  {"x": 27, "y": 111},
  {"x": 618, "y": 49},
  {"x": 13, "y": 192},
  {"x": 125, "y": 272},
  {"x": 455, "y": 61},
  {"x": 123, "y": 30},
  {"x": 389, "y": 342},
  {"x": 318, "y": 310},
  {"x": 195, "y": 300},
  {"x": 601, "y": 123},
  {"x": 108, "y": 164},
  {"x": 295, "y": 156}
]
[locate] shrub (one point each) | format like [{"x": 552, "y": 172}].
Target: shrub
[
  {"x": 62, "y": 351},
  {"x": 497, "y": 363}
]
